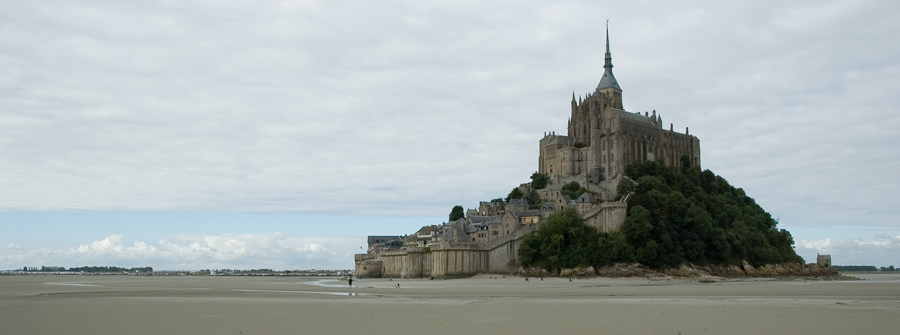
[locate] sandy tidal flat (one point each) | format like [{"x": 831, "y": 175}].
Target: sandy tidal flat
[{"x": 46, "y": 304}]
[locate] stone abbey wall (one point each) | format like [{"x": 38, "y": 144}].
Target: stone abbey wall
[{"x": 611, "y": 139}]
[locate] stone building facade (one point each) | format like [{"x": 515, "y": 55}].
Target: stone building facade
[{"x": 603, "y": 138}]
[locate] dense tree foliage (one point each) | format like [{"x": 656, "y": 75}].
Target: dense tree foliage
[
  {"x": 626, "y": 185},
  {"x": 573, "y": 190},
  {"x": 539, "y": 181},
  {"x": 457, "y": 213},
  {"x": 674, "y": 216},
  {"x": 563, "y": 240},
  {"x": 516, "y": 193},
  {"x": 534, "y": 199},
  {"x": 686, "y": 215}
]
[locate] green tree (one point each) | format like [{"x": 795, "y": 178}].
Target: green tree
[
  {"x": 516, "y": 193},
  {"x": 685, "y": 162},
  {"x": 626, "y": 185},
  {"x": 613, "y": 248},
  {"x": 573, "y": 190},
  {"x": 534, "y": 199},
  {"x": 457, "y": 213},
  {"x": 539, "y": 181},
  {"x": 562, "y": 241},
  {"x": 688, "y": 215}
]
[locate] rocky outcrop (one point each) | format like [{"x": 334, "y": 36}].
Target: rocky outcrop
[
  {"x": 627, "y": 270},
  {"x": 787, "y": 270},
  {"x": 726, "y": 270},
  {"x": 779, "y": 270},
  {"x": 748, "y": 269},
  {"x": 533, "y": 272},
  {"x": 579, "y": 272},
  {"x": 686, "y": 271}
]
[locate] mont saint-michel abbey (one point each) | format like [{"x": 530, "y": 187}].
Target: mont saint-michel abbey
[{"x": 602, "y": 139}]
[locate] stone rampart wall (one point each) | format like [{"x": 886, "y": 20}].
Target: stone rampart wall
[
  {"x": 445, "y": 259},
  {"x": 395, "y": 263},
  {"x": 368, "y": 266},
  {"x": 458, "y": 261},
  {"x": 608, "y": 216}
]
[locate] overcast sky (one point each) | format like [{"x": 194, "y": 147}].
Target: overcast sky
[{"x": 198, "y": 134}]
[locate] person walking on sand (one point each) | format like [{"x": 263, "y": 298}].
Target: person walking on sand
[{"x": 350, "y": 281}]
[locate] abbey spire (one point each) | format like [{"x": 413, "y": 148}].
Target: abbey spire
[
  {"x": 608, "y": 79},
  {"x": 608, "y": 84},
  {"x": 608, "y": 64}
]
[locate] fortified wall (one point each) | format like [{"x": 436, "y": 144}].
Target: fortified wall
[{"x": 445, "y": 259}]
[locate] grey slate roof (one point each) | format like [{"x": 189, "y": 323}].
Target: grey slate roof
[
  {"x": 457, "y": 233},
  {"x": 382, "y": 239},
  {"x": 479, "y": 218},
  {"x": 470, "y": 227},
  {"x": 548, "y": 206},
  {"x": 518, "y": 202},
  {"x": 608, "y": 80},
  {"x": 560, "y": 139},
  {"x": 633, "y": 116},
  {"x": 586, "y": 197},
  {"x": 426, "y": 230},
  {"x": 530, "y": 212}
]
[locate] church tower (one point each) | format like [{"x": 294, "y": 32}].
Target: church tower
[
  {"x": 603, "y": 138},
  {"x": 608, "y": 84}
]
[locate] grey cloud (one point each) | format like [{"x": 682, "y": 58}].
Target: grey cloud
[{"x": 408, "y": 108}]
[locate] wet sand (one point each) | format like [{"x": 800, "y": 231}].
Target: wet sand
[{"x": 45, "y": 304}]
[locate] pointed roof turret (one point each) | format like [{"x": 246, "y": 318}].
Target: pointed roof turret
[{"x": 608, "y": 79}]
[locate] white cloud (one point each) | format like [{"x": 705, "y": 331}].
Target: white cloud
[
  {"x": 882, "y": 250},
  {"x": 244, "y": 251},
  {"x": 821, "y": 245},
  {"x": 400, "y": 108}
]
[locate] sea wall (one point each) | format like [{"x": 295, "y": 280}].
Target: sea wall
[
  {"x": 367, "y": 266},
  {"x": 445, "y": 259}
]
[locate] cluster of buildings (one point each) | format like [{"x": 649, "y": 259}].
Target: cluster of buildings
[
  {"x": 602, "y": 139},
  {"x": 497, "y": 219}
]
